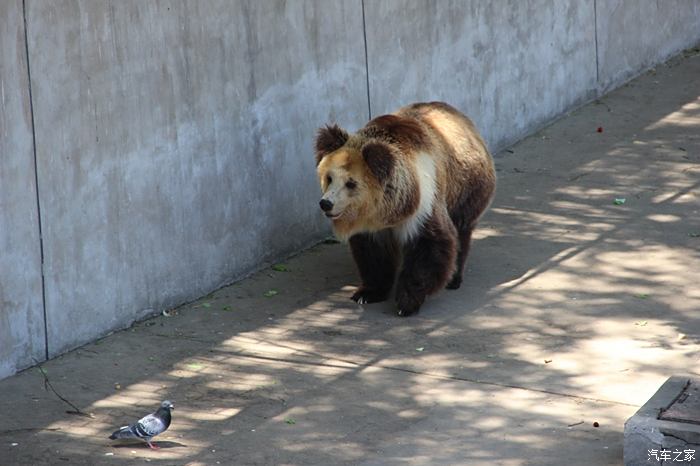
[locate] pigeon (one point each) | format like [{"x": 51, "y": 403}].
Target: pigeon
[{"x": 148, "y": 426}]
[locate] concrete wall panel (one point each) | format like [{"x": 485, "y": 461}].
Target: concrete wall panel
[
  {"x": 21, "y": 309},
  {"x": 510, "y": 65},
  {"x": 634, "y": 35},
  {"x": 174, "y": 142}
]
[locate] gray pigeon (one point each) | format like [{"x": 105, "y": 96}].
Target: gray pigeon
[{"x": 148, "y": 426}]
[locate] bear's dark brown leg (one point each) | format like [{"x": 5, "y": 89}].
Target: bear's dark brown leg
[
  {"x": 465, "y": 216},
  {"x": 464, "y": 243},
  {"x": 428, "y": 263},
  {"x": 376, "y": 257}
]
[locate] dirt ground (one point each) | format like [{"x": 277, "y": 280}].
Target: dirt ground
[{"x": 581, "y": 297}]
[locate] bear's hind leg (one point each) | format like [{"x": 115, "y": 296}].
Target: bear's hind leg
[
  {"x": 429, "y": 262},
  {"x": 376, "y": 257},
  {"x": 464, "y": 243}
]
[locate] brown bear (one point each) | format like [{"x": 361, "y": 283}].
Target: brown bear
[{"x": 406, "y": 191}]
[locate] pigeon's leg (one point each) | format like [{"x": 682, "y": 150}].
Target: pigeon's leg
[{"x": 153, "y": 447}]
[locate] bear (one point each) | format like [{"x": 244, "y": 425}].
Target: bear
[{"x": 406, "y": 191}]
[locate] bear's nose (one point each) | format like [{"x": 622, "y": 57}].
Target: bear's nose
[{"x": 326, "y": 205}]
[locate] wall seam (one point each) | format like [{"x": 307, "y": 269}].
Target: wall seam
[
  {"x": 364, "y": 36},
  {"x": 595, "y": 38},
  {"x": 36, "y": 180}
]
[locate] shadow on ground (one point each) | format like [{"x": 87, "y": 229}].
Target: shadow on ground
[{"x": 575, "y": 308}]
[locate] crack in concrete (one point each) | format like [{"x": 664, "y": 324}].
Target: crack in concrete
[
  {"x": 667, "y": 434},
  {"x": 36, "y": 182}
]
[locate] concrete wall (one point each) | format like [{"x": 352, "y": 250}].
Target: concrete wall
[
  {"x": 174, "y": 145},
  {"x": 634, "y": 35},
  {"x": 21, "y": 309},
  {"x": 174, "y": 138},
  {"x": 511, "y": 66}
]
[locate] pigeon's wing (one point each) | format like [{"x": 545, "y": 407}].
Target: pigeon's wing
[
  {"x": 123, "y": 432},
  {"x": 149, "y": 426}
]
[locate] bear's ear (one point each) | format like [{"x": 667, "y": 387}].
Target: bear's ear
[
  {"x": 329, "y": 139},
  {"x": 379, "y": 160}
]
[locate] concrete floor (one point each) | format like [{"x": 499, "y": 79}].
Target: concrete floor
[{"x": 574, "y": 310}]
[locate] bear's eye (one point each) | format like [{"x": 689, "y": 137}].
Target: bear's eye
[
  {"x": 351, "y": 184},
  {"x": 329, "y": 179}
]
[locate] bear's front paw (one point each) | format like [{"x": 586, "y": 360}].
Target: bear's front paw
[
  {"x": 408, "y": 304},
  {"x": 368, "y": 295},
  {"x": 455, "y": 283}
]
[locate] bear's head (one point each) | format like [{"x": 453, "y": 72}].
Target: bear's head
[{"x": 353, "y": 173}]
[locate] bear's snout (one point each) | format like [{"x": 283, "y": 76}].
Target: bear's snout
[{"x": 326, "y": 205}]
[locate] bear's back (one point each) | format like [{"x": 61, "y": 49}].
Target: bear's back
[{"x": 459, "y": 151}]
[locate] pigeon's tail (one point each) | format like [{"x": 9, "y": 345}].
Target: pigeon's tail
[{"x": 124, "y": 432}]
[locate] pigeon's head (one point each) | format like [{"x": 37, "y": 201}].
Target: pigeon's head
[{"x": 167, "y": 405}]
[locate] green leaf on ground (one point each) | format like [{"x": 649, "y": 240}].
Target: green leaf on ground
[
  {"x": 270, "y": 293},
  {"x": 421, "y": 349},
  {"x": 641, "y": 296},
  {"x": 619, "y": 201},
  {"x": 290, "y": 421},
  {"x": 694, "y": 235},
  {"x": 280, "y": 268},
  {"x": 226, "y": 308},
  {"x": 206, "y": 305},
  {"x": 194, "y": 365}
]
